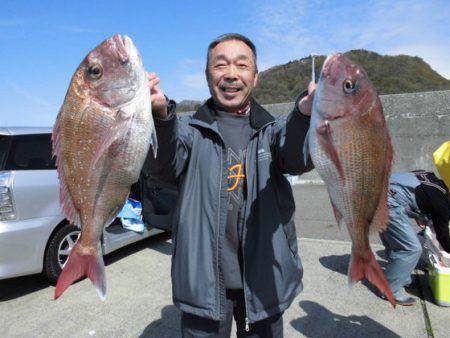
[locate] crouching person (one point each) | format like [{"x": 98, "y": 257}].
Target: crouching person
[{"x": 422, "y": 196}]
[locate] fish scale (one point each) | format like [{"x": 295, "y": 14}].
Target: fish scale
[{"x": 351, "y": 149}]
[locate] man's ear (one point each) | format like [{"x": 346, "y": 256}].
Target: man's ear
[{"x": 255, "y": 81}]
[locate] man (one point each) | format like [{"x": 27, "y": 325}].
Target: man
[
  {"x": 424, "y": 197},
  {"x": 234, "y": 241}
]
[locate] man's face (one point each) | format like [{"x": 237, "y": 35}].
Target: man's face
[{"x": 231, "y": 74}]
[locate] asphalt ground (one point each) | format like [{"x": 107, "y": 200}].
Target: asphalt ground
[{"x": 139, "y": 293}]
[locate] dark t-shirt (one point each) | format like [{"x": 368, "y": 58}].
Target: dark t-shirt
[{"x": 236, "y": 133}]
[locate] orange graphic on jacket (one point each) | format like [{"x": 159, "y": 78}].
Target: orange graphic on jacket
[{"x": 237, "y": 176}]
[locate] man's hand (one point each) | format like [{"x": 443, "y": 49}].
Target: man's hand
[
  {"x": 305, "y": 104},
  {"x": 159, "y": 102}
]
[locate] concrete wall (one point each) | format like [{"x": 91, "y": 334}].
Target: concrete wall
[{"x": 418, "y": 123}]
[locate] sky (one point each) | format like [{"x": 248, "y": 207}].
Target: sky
[{"x": 43, "y": 42}]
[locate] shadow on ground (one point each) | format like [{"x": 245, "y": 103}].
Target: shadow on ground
[
  {"x": 13, "y": 288},
  {"x": 20, "y": 286},
  {"x": 320, "y": 322},
  {"x": 168, "y": 326},
  {"x": 336, "y": 263},
  {"x": 340, "y": 263},
  {"x": 421, "y": 288},
  {"x": 158, "y": 242}
]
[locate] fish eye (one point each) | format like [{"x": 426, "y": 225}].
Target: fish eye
[
  {"x": 349, "y": 86},
  {"x": 95, "y": 71}
]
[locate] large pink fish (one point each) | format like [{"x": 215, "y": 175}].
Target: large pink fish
[
  {"x": 351, "y": 150},
  {"x": 100, "y": 139}
]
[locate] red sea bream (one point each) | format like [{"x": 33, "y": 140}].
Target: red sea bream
[
  {"x": 100, "y": 139},
  {"x": 351, "y": 149}
]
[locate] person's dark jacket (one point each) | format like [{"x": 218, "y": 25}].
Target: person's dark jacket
[
  {"x": 191, "y": 151},
  {"x": 432, "y": 197}
]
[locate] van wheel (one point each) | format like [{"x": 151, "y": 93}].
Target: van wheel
[{"x": 58, "y": 250}]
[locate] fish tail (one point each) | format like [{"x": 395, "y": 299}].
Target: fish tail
[
  {"x": 79, "y": 265},
  {"x": 366, "y": 266}
]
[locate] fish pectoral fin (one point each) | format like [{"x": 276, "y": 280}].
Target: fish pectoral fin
[
  {"x": 79, "y": 265},
  {"x": 154, "y": 143},
  {"x": 337, "y": 214},
  {"x": 65, "y": 199},
  {"x": 367, "y": 267},
  {"x": 117, "y": 128},
  {"x": 306, "y": 148},
  {"x": 326, "y": 141}
]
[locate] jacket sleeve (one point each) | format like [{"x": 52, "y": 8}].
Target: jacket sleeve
[
  {"x": 291, "y": 153},
  {"x": 174, "y": 145}
]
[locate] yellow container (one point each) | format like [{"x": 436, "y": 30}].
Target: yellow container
[
  {"x": 442, "y": 160},
  {"x": 439, "y": 280}
]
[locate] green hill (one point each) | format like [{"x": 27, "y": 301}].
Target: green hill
[{"x": 389, "y": 74}]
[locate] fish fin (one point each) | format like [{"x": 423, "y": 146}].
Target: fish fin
[
  {"x": 326, "y": 141},
  {"x": 67, "y": 205},
  {"x": 112, "y": 133},
  {"x": 154, "y": 143},
  {"x": 306, "y": 148},
  {"x": 337, "y": 214},
  {"x": 79, "y": 265},
  {"x": 381, "y": 216},
  {"x": 367, "y": 267}
]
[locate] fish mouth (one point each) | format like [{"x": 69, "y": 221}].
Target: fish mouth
[
  {"x": 328, "y": 63},
  {"x": 127, "y": 43},
  {"x": 134, "y": 56},
  {"x": 122, "y": 45}
]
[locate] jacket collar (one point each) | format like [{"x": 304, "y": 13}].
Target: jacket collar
[{"x": 206, "y": 117}]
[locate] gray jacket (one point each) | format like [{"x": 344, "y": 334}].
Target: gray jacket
[{"x": 191, "y": 152}]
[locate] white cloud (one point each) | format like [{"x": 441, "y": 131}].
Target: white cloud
[
  {"x": 193, "y": 81},
  {"x": 27, "y": 95},
  {"x": 289, "y": 29},
  {"x": 187, "y": 81},
  {"x": 435, "y": 55},
  {"x": 188, "y": 63},
  {"x": 279, "y": 31},
  {"x": 23, "y": 107}
]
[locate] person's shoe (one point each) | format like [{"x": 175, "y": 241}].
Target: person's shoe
[
  {"x": 405, "y": 301},
  {"x": 402, "y": 299}
]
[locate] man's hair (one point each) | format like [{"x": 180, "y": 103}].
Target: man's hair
[{"x": 230, "y": 37}]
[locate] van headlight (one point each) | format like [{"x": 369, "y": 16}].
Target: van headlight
[{"x": 7, "y": 208}]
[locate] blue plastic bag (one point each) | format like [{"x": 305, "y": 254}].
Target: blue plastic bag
[{"x": 131, "y": 216}]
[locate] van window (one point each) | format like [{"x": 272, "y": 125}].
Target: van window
[
  {"x": 4, "y": 145},
  {"x": 30, "y": 152}
]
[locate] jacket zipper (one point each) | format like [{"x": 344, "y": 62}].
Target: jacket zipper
[
  {"x": 218, "y": 229},
  {"x": 247, "y": 321}
]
